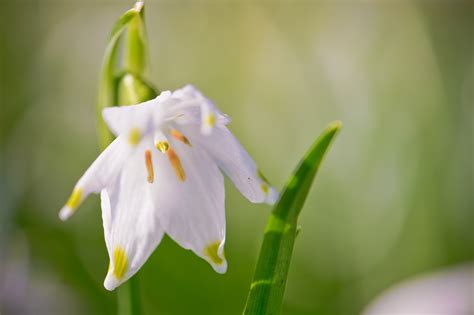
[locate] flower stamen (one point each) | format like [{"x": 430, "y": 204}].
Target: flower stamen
[
  {"x": 149, "y": 166},
  {"x": 176, "y": 164},
  {"x": 179, "y": 136}
]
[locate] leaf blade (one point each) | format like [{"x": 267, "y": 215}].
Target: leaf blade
[
  {"x": 136, "y": 48},
  {"x": 107, "y": 84},
  {"x": 268, "y": 284}
]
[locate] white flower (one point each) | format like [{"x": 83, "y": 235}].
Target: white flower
[
  {"x": 162, "y": 175},
  {"x": 445, "y": 292}
]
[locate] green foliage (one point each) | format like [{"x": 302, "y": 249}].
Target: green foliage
[
  {"x": 136, "y": 89},
  {"x": 136, "y": 48},
  {"x": 268, "y": 285},
  {"x": 107, "y": 83}
]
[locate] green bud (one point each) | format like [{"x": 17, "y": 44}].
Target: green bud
[{"x": 133, "y": 90}]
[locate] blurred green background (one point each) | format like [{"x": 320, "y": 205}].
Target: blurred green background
[{"x": 394, "y": 196}]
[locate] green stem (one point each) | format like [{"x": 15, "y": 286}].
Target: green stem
[{"x": 128, "y": 296}]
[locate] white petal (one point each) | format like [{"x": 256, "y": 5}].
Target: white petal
[
  {"x": 196, "y": 110},
  {"x": 106, "y": 195},
  {"x": 208, "y": 117},
  {"x": 208, "y": 112},
  {"x": 191, "y": 106},
  {"x": 102, "y": 172},
  {"x": 237, "y": 164},
  {"x": 187, "y": 92},
  {"x": 125, "y": 119},
  {"x": 189, "y": 196},
  {"x": 131, "y": 228}
]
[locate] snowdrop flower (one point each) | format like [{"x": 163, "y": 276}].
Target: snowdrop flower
[{"x": 162, "y": 175}]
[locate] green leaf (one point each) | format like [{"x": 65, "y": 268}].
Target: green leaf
[
  {"x": 268, "y": 284},
  {"x": 107, "y": 85},
  {"x": 136, "y": 54}
]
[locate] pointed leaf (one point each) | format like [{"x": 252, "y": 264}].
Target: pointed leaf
[
  {"x": 136, "y": 54},
  {"x": 268, "y": 284},
  {"x": 107, "y": 91}
]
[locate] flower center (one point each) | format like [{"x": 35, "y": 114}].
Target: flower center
[{"x": 163, "y": 146}]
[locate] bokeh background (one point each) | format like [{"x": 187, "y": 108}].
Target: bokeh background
[{"x": 393, "y": 199}]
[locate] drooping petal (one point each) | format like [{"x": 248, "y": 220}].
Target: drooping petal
[
  {"x": 191, "y": 106},
  {"x": 234, "y": 160},
  {"x": 189, "y": 196},
  {"x": 134, "y": 120},
  {"x": 208, "y": 117},
  {"x": 131, "y": 227},
  {"x": 102, "y": 172}
]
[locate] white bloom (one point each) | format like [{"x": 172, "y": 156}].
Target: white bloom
[
  {"x": 162, "y": 175},
  {"x": 445, "y": 292}
]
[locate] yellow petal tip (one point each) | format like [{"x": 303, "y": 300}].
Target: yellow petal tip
[
  {"x": 212, "y": 252},
  {"x": 210, "y": 120},
  {"x": 75, "y": 199},
  {"x": 120, "y": 262}
]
